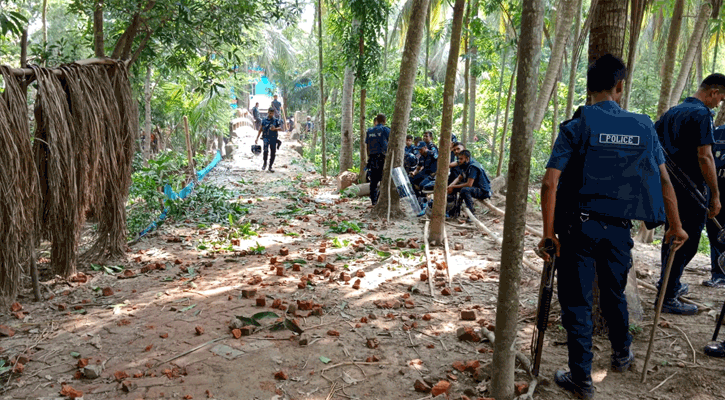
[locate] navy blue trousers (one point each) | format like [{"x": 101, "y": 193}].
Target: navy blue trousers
[
  {"x": 469, "y": 193},
  {"x": 270, "y": 148},
  {"x": 716, "y": 248},
  {"x": 585, "y": 247},
  {"x": 376, "y": 163},
  {"x": 693, "y": 218}
]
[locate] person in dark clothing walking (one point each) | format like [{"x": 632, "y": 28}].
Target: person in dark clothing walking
[
  {"x": 270, "y": 127},
  {"x": 256, "y": 116},
  {"x": 717, "y": 249},
  {"x": 277, "y": 106},
  {"x": 377, "y": 146},
  {"x": 686, "y": 134}
]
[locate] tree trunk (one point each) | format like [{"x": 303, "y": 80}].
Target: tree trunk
[
  {"x": 717, "y": 45},
  {"x": 438, "y": 217},
  {"x": 346, "y": 141},
  {"x": 506, "y": 119},
  {"x": 564, "y": 17},
  {"x": 322, "y": 88},
  {"x": 97, "y": 29},
  {"x": 698, "y": 33},
  {"x": 529, "y": 56},
  {"x": 698, "y": 66},
  {"x": 313, "y": 145},
  {"x": 607, "y": 30},
  {"x": 147, "y": 115},
  {"x": 635, "y": 27},
  {"x": 668, "y": 66},
  {"x": 401, "y": 110},
  {"x": 472, "y": 105},
  {"x": 720, "y": 120},
  {"x": 466, "y": 74},
  {"x": 385, "y": 48},
  {"x": 574, "y": 62},
  {"x": 44, "y": 22},
  {"x": 363, "y": 147},
  {"x": 502, "y": 71}
]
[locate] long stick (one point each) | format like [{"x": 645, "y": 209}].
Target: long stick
[
  {"x": 446, "y": 251},
  {"x": 34, "y": 274},
  {"x": 719, "y": 322},
  {"x": 427, "y": 257},
  {"x": 658, "y": 310},
  {"x": 192, "y": 174},
  {"x": 390, "y": 179},
  {"x": 189, "y": 351}
]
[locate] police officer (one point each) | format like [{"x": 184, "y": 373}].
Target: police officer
[
  {"x": 257, "y": 117},
  {"x": 309, "y": 126},
  {"x": 270, "y": 126},
  {"x": 472, "y": 182},
  {"x": 686, "y": 134},
  {"x": 377, "y": 145},
  {"x": 409, "y": 144},
  {"x": 716, "y": 248},
  {"x": 277, "y": 106},
  {"x": 587, "y": 213},
  {"x": 424, "y": 176}
]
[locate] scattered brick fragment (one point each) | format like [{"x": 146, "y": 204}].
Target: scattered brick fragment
[
  {"x": 491, "y": 327},
  {"x": 472, "y": 366},
  {"x": 18, "y": 368},
  {"x": 521, "y": 388},
  {"x": 423, "y": 276},
  {"x": 237, "y": 333},
  {"x": 467, "y": 335},
  {"x": 356, "y": 285},
  {"x": 446, "y": 292},
  {"x": 148, "y": 348},
  {"x": 296, "y": 267},
  {"x": 421, "y": 386},
  {"x": 364, "y": 320},
  {"x": 372, "y": 359},
  {"x": 474, "y": 277},
  {"x": 468, "y": 315},
  {"x": 281, "y": 375},
  {"x": 302, "y": 285},
  {"x": 261, "y": 301},
  {"x": 82, "y": 363},
  {"x": 128, "y": 386},
  {"x": 360, "y": 273},
  {"x": 459, "y": 366},
  {"x": 68, "y": 391},
  {"x": 440, "y": 388},
  {"x": 247, "y": 330},
  {"x": 372, "y": 343},
  {"x": 199, "y": 330},
  {"x": 208, "y": 394},
  {"x": 107, "y": 291},
  {"x": 277, "y": 303},
  {"x": 120, "y": 375},
  {"x": 427, "y": 317},
  {"x": 15, "y": 307},
  {"x": 284, "y": 251},
  {"x": 273, "y": 260},
  {"x": 333, "y": 332},
  {"x": 280, "y": 271}
]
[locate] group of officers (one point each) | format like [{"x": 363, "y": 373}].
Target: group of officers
[
  {"x": 608, "y": 167},
  {"x": 467, "y": 179}
]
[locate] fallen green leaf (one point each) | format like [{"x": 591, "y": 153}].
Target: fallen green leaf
[
  {"x": 187, "y": 308},
  {"x": 324, "y": 359},
  {"x": 75, "y": 354}
]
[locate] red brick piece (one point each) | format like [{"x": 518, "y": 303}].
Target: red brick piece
[
  {"x": 284, "y": 251},
  {"x": 281, "y": 375},
  {"x": 356, "y": 285},
  {"x": 107, "y": 291},
  {"x": 333, "y": 332},
  {"x": 472, "y": 365},
  {"x": 459, "y": 366},
  {"x": 164, "y": 335},
  {"x": 360, "y": 273},
  {"x": 6, "y": 331},
  {"x": 15, "y": 307},
  {"x": 446, "y": 292},
  {"x": 421, "y": 387},
  {"x": 280, "y": 271},
  {"x": 69, "y": 392},
  {"x": 468, "y": 315},
  {"x": 273, "y": 260},
  {"x": 261, "y": 301},
  {"x": 423, "y": 276},
  {"x": 409, "y": 304},
  {"x": 199, "y": 330},
  {"x": 427, "y": 317},
  {"x": 236, "y": 333},
  {"x": 440, "y": 388},
  {"x": 277, "y": 303},
  {"x": 467, "y": 335},
  {"x": 521, "y": 388},
  {"x": 372, "y": 343},
  {"x": 82, "y": 363},
  {"x": 120, "y": 375},
  {"x": 296, "y": 267}
]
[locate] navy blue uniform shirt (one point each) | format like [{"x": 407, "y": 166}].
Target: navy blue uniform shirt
[
  {"x": 429, "y": 163},
  {"x": 473, "y": 170},
  {"x": 277, "y": 107},
  {"x": 377, "y": 139},
  {"x": 409, "y": 149},
  {"x": 684, "y": 128},
  {"x": 255, "y": 113},
  {"x": 268, "y": 133},
  {"x": 718, "y": 151}
]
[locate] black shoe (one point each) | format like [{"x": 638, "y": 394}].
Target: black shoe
[
  {"x": 715, "y": 283},
  {"x": 581, "y": 390},
  {"x": 279, "y": 144},
  {"x": 682, "y": 291},
  {"x": 622, "y": 362},
  {"x": 716, "y": 349},
  {"x": 271, "y": 171},
  {"x": 264, "y": 166},
  {"x": 674, "y": 306}
]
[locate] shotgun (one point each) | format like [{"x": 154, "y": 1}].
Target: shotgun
[{"x": 546, "y": 292}]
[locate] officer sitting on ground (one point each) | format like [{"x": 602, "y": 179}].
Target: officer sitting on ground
[
  {"x": 423, "y": 178},
  {"x": 606, "y": 168},
  {"x": 453, "y": 168},
  {"x": 472, "y": 183}
]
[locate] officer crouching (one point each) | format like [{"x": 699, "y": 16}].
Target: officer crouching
[{"x": 606, "y": 169}]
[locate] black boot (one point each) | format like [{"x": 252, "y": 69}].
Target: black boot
[
  {"x": 622, "y": 361},
  {"x": 581, "y": 390}
]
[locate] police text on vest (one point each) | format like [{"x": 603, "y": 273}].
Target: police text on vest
[{"x": 607, "y": 138}]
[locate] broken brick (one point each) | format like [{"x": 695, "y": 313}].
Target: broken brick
[
  {"x": 82, "y": 363},
  {"x": 467, "y": 335},
  {"x": 304, "y": 305},
  {"x": 128, "y": 386},
  {"x": 120, "y": 375},
  {"x": 284, "y": 251},
  {"x": 521, "y": 388},
  {"x": 280, "y": 271},
  {"x": 277, "y": 303},
  {"x": 458, "y": 246},
  {"x": 15, "y": 307},
  {"x": 427, "y": 317},
  {"x": 372, "y": 359},
  {"x": 273, "y": 260},
  {"x": 107, "y": 291},
  {"x": 474, "y": 277},
  {"x": 459, "y": 366},
  {"x": 302, "y": 285},
  {"x": 333, "y": 332},
  {"x": 237, "y": 333},
  {"x": 281, "y": 375},
  {"x": 457, "y": 289},
  {"x": 79, "y": 278},
  {"x": 468, "y": 315},
  {"x": 148, "y": 348},
  {"x": 320, "y": 258},
  {"x": 356, "y": 285},
  {"x": 440, "y": 388},
  {"x": 6, "y": 331},
  {"x": 472, "y": 366},
  {"x": 69, "y": 392},
  {"x": 409, "y": 304},
  {"x": 364, "y": 320},
  {"x": 421, "y": 386},
  {"x": 199, "y": 330},
  {"x": 360, "y": 274},
  {"x": 491, "y": 327},
  {"x": 164, "y": 335},
  {"x": 423, "y": 276},
  {"x": 18, "y": 368},
  {"x": 446, "y": 292},
  {"x": 372, "y": 343},
  {"x": 296, "y": 267},
  {"x": 261, "y": 302}
]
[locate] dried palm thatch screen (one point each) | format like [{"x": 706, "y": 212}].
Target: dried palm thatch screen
[
  {"x": 18, "y": 184},
  {"x": 86, "y": 119}
]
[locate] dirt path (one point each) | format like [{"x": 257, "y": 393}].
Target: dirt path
[{"x": 371, "y": 325}]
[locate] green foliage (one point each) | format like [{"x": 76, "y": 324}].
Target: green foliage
[
  {"x": 11, "y": 21},
  {"x": 703, "y": 247},
  {"x": 344, "y": 227},
  {"x": 258, "y": 249}
]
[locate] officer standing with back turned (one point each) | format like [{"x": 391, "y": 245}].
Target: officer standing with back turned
[
  {"x": 606, "y": 169},
  {"x": 686, "y": 134},
  {"x": 377, "y": 145}
]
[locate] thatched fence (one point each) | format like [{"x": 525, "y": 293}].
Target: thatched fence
[{"x": 78, "y": 161}]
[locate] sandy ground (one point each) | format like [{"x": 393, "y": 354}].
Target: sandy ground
[{"x": 165, "y": 332}]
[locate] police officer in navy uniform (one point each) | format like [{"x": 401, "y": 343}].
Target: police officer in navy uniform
[
  {"x": 472, "y": 182},
  {"x": 424, "y": 176},
  {"x": 716, "y": 248},
  {"x": 270, "y": 126},
  {"x": 686, "y": 134},
  {"x": 377, "y": 145},
  {"x": 409, "y": 146},
  {"x": 277, "y": 106},
  {"x": 606, "y": 168},
  {"x": 257, "y": 117}
]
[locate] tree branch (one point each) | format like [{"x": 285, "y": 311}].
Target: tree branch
[{"x": 98, "y": 29}]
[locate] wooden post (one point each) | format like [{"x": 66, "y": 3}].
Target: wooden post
[{"x": 190, "y": 156}]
